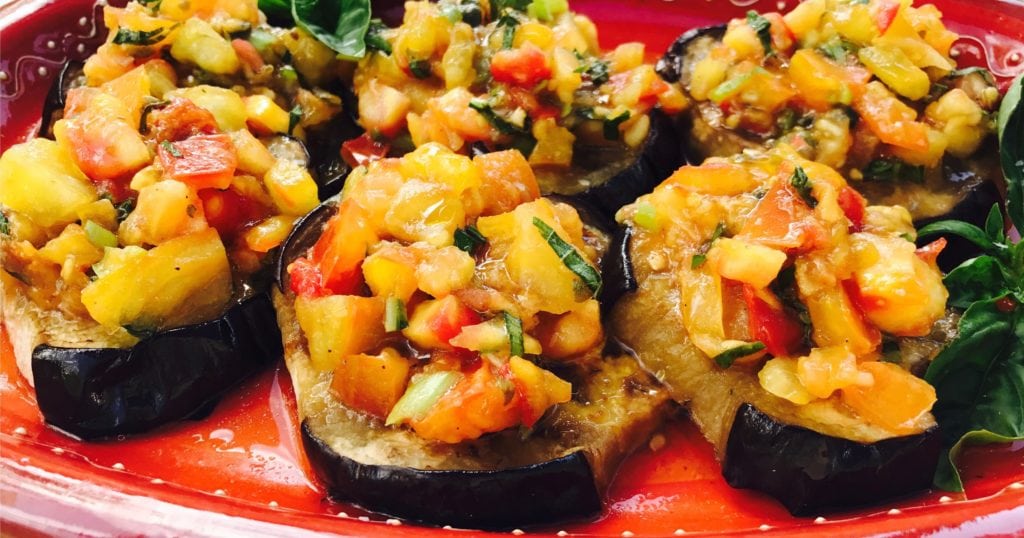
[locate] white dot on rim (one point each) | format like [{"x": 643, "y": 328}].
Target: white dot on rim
[
  {"x": 1016, "y": 485},
  {"x": 562, "y": 533},
  {"x": 343, "y": 514},
  {"x": 51, "y": 44},
  {"x": 58, "y": 450},
  {"x": 364, "y": 518},
  {"x": 42, "y": 71},
  {"x": 80, "y": 47},
  {"x": 23, "y": 461},
  {"x": 3, "y": 75},
  {"x": 272, "y": 504},
  {"x": 119, "y": 466},
  {"x": 83, "y": 21},
  {"x": 894, "y": 512},
  {"x": 518, "y": 532},
  {"x": 764, "y": 527},
  {"x": 20, "y": 430},
  {"x": 156, "y": 481},
  {"x": 820, "y": 520},
  {"x": 679, "y": 532},
  {"x": 220, "y": 493},
  {"x": 393, "y": 522},
  {"x": 627, "y": 534},
  {"x": 945, "y": 499}
]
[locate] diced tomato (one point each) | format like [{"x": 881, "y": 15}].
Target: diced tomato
[
  {"x": 201, "y": 161},
  {"x": 890, "y": 119},
  {"x": 779, "y": 330},
  {"x": 248, "y": 54},
  {"x": 363, "y": 150},
  {"x": 525, "y": 66},
  {"x": 304, "y": 279},
  {"x": 884, "y": 13},
  {"x": 230, "y": 212},
  {"x": 476, "y": 405},
  {"x": 782, "y": 220},
  {"x": 179, "y": 120},
  {"x": 450, "y": 318},
  {"x": 862, "y": 302},
  {"x": 853, "y": 206},
  {"x": 340, "y": 250},
  {"x": 782, "y": 36},
  {"x": 931, "y": 251}
]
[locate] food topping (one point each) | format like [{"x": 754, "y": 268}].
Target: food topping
[
  {"x": 775, "y": 257},
  {"x": 454, "y": 277}
]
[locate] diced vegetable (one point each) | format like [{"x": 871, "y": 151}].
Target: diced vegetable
[
  {"x": 40, "y": 180},
  {"x": 199, "y": 44},
  {"x": 434, "y": 323},
  {"x": 372, "y": 384},
  {"x": 896, "y": 400},
  {"x": 201, "y": 161},
  {"x": 779, "y": 377},
  {"x": 424, "y": 391},
  {"x": 338, "y": 326},
  {"x": 184, "y": 280},
  {"x": 290, "y": 186}
]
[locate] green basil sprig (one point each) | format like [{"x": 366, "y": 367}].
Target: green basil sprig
[{"x": 341, "y": 25}]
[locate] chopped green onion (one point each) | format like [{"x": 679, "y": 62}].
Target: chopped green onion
[
  {"x": 570, "y": 257},
  {"x": 469, "y": 238},
  {"x": 702, "y": 253},
  {"x": 171, "y": 148},
  {"x": 5, "y": 225},
  {"x": 424, "y": 391},
  {"x": 98, "y": 235},
  {"x": 802, "y": 184},
  {"x": 508, "y": 23},
  {"x": 725, "y": 90},
  {"x": 763, "y": 28},
  {"x": 289, "y": 74},
  {"x": 261, "y": 39},
  {"x": 893, "y": 170},
  {"x": 547, "y": 10},
  {"x": 646, "y": 217},
  {"x": 596, "y": 71},
  {"x": 394, "y": 315},
  {"x": 294, "y": 117},
  {"x": 729, "y": 356},
  {"x": 514, "y": 328}
]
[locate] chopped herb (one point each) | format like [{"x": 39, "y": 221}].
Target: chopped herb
[
  {"x": 146, "y": 109},
  {"x": 985, "y": 73},
  {"x": 5, "y": 225},
  {"x": 702, "y": 253},
  {"x": 936, "y": 91},
  {"x": 611, "y": 125},
  {"x": 514, "y": 328},
  {"x": 786, "y": 121},
  {"x": 726, "y": 89},
  {"x": 375, "y": 39},
  {"x": 726, "y": 358},
  {"x": 468, "y": 239},
  {"x": 802, "y": 184},
  {"x": 508, "y": 23},
  {"x": 288, "y": 73},
  {"x": 497, "y": 6},
  {"x": 140, "y": 331},
  {"x": 595, "y": 71},
  {"x": 394, "y": 315},
  {"x": 420, "y": 68},
  {"x": 763, "y": 28},
  {"x": 171, "y": 148},
  {"x": 141, "y": 38},
  {"x": 570, "y": 257},
  {"x": 836, "y": 49},
  {"x": 124, "y": 208},
  {"x": 294, "y": 117},
  {"x": 889, "y": 169}
]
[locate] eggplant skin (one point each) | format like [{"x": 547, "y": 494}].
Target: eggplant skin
[
  {"x": 660, "y": 156},
  {"x": 545, "y": 492},
  {"x": 617, "y": 274},
  {"x": 172, "y": 375},
  {"x": 811, "y": 473}
]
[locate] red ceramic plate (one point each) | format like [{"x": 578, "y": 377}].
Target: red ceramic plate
[{"x": 240, "y": 471}]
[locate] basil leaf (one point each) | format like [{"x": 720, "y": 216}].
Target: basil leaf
[
  {"x": 294, "y": 117},
  {"x": 729, "y": 356},
  {"x": 977, "y": 279},
  {"x": 279, "y": 11},
  {"x": 1011, "y": 150},
  {"x": 514, "y": 328},
  {"x": 702, "y": 253},
  {"x": 468, "y": 239},
  {"x": 570, "y": 257},
  {"x": 802, "y": 184},
  {"x": 889, "y": 169},
  {"x": 611, "y": 125},
  {"x": 339, "y": 24},
  {"x": 375, "y": 37},
  {"x": 994, "y": 225},
  {"x": 979, "y": 381},
  {"x": 763, "y": 28},
  {"x": 966, "y": 230},
  {"x": 420, "y": 68},
  {"x": 141, "y": 38}
]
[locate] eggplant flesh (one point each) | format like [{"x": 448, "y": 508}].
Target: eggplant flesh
[
  {"x": 794, "y": 453},
  {"x": 171, "y": 375}
]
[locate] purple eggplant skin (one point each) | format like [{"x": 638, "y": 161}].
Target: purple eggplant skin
[
  {"x": 617, "y": 276},
  {"x": 973, "y": 208},
  {"x": 304, "y": 235},
  {"x": 172, "y": 375},
  {"x": 812, "y": 473},
  {"x": 660, "y": 156},
  {"x": 474, "y": 499}
]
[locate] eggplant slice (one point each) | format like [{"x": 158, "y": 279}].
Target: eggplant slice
[
  {"x": 557, "y": 472},
  {"x": 813, "y": 458},
  {"x": 169, "y": 376},
  {"x": 958, "y": 189}
]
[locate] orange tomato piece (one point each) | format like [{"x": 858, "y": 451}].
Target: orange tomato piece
[
  {"x": 340, "y": 251},
  {"x": 179, "y": 120},
  {"x": 782, "y": 220},
  {"x": 371, "y": 383},
  {"x": 890, "y": 119},
  {"x": 201, "y": 161},
  {"x": 476, "y": 405},
  {"x": 896, "y": 400},
  {"x": 525, "y": 66},
  {"x": 508, "y": 181}
]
